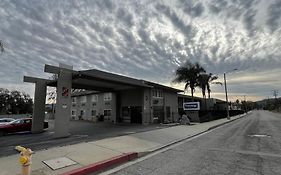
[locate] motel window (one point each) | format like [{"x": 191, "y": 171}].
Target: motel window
[
  {"x": 74, "y": 99},
  {"x": 154, "y": 93},
  {"x": 157, "y": 93},
  {"x": 107, "y": 96},
  {"x": 83, "y": 99},
  {"x": 82, "y": 112},
  {"x": 95, "y": 98},
  {"x": 73, "y": 113},
  {"x": 94, "y": 112},
  {"x": 107, "y": 112}
]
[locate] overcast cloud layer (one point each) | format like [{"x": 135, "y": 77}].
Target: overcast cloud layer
[{"x": 145, "y": 39}]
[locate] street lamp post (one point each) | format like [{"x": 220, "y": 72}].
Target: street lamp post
[{"x": 226, "y": 97}]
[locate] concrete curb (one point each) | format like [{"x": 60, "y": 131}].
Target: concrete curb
[{"x": 102, "y": 165}]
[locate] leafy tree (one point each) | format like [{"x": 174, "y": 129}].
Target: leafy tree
[
  {"x": 189, "y": 74},
  {"x": 238, "y": 103},
  {"x": 15, "y": 102}
]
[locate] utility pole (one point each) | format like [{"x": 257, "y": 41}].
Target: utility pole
[
  {"x": 225, "y": 88},
  {"x": 245, "y": 104},
  {"x": 275, "y": 94},
  {"x": 226, "y": 97}
]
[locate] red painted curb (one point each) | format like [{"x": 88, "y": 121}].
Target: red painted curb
[{"x": 103, "y": 164}]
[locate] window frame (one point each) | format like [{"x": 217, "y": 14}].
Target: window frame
[
  {"x": 95, "y": 98},
  {"x": 107, "y": 110},
  {"x": 75, "y": 112},
  {"x": 107, "y": 96}
]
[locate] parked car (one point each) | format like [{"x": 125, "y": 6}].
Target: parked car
[
  {"x": 5, "y": 120},
  {"x": 18, "y": 125}
]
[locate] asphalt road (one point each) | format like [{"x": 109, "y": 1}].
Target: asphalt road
[
  {"x": 248, "y": 146},
  {"x": 81, "y": 131}
]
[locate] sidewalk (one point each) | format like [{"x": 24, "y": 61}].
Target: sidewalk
[{"x": 118, "y": 149}]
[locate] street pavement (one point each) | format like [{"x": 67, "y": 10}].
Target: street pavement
[{"x": 248, "y": 146}]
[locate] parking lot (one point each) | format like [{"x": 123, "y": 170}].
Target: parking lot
[{"x": 81, "y": 131}]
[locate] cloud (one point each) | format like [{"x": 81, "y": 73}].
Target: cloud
[
  {"x": 142, "y": 39},
  {"x": 193, "y": 9},
  {"x": 216, "y": 6},
  {"x": 274, "y": 16}
]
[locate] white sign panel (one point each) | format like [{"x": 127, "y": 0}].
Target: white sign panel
[{"x": 191, "y": 106}]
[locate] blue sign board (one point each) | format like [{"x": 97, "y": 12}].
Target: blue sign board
[{"x": 191, "y": 106}]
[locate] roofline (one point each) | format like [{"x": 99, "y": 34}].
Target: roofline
[
  {"x": 115, "y": 78},
  {"x": 156, "y": 85},
  {"x": 107, "y": 76}
]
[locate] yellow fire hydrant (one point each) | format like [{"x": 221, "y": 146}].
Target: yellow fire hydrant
[{"x": 25, "y": 159}]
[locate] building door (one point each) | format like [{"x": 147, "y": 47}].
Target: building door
[
  {"x": 168, "y": 113},
  {"x": 158, "y": 113},
  {"x": 136, "y": 116},
  {"x": 125, "y": 117}
]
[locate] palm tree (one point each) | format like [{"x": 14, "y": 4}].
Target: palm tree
[
  {"x": 211, "y": 80},
  {"x": 203, "y": 81},
  {"x": 189, "y": 74}
]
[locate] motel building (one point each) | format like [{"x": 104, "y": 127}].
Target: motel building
[
  {"x": 156, "y": 104},
  {"x": 118, "y": 98}
]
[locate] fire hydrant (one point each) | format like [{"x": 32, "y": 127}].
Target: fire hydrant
[{"x": 25, "y": 159}]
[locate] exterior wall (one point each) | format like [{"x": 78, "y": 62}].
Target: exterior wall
[
  {"x": 157, "y": 105},
  {"x": 164, "y": 105},
  {"x": 211, "y": 103},
  {"x": 113, "y": 108},
  {"x": 141, "y": 100},
  {"x": 128, "y": 99},
  {"x": 221, "y": 106},
  {"x": 131, "y": 97},
  {"x": 171, "y": 101},
  {"x": 97, "y": 107},
  {"x": 146, "y": 110},
  {"x": 193, "y": 115}
]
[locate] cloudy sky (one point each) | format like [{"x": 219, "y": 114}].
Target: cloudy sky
[{"x": 146, "y": 40}]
